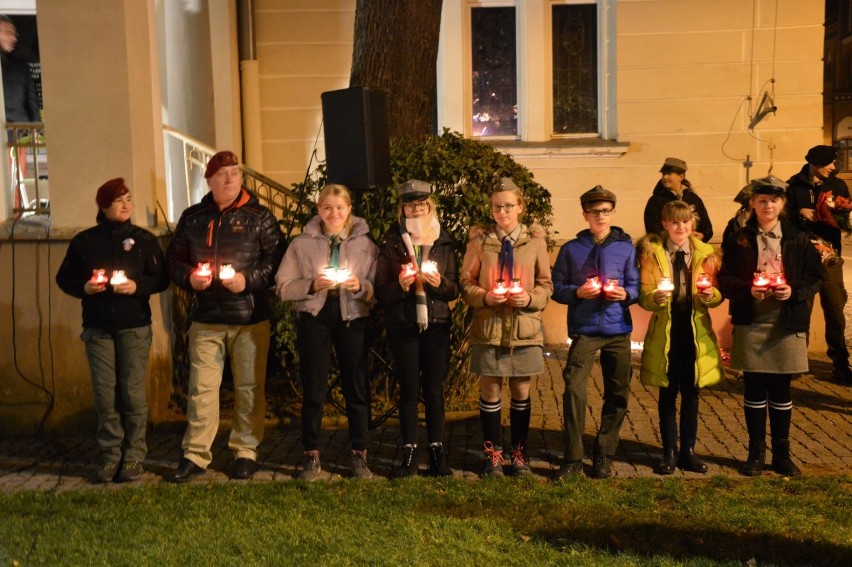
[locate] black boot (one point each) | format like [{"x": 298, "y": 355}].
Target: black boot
[
  {"x": 781, "y": 462},
  {"x": 756, "y": 458},
  {"x": 667, "y": 463},
  {"x": 437, "y": 466},
  {"x": 408, "y": 465},
  {"x": 687, "y": 461}
]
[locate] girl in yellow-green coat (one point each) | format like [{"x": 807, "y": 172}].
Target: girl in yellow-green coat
[{"x": 678, "y": 286}]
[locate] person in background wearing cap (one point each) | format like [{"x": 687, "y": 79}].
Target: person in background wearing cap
[
  {"x": 506, "y": 333},
  {"x": 743, "y": 199},
  {"x": 770, "y": 322},
  {"x": 327, "y": 274},
  {"x": 116, "y": 324},
  {"x": 672, "y": 186},
  {"x": 230, "y": 318},
  {"x": 596, "y": 277},
  {"x": 680, "y": 352},
  {"x": 418, "y": 317},
  {"x": 817, "y": 177}
]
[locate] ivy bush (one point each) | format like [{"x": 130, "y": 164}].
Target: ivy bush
[{"x": 462, "y": 172}]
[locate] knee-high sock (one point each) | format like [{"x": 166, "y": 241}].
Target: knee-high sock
[
  {"x": 489, "y": 415},
  {"x": 519, "y": 418}
]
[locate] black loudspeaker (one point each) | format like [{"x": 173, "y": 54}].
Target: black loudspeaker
[{"x": 357, "y": 150}]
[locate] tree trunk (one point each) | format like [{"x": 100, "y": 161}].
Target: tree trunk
[{"x": 396, "y": 48}]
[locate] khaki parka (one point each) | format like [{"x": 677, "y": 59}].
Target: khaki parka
[
  {"x": 653, "y": 264},
  {"x": 504, "y": 325}
]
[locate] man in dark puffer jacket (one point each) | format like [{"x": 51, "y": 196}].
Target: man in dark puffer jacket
[{"x": 228, "y": 228}]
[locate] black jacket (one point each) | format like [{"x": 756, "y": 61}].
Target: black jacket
[
  {"x": 245, "y": 235},
  {"x": 802, "y": 269},
  {"x": 661, "y": 196},
  {"x": 114, "y": 246},
  {"x": 19, "y": 92},
  {"x": 400, "y": 306},
  {"x": 803, "y": 194}
]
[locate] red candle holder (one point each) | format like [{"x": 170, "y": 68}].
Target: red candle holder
[
  {"x": 703, "y": 283},
  {"x": 500, "y": 288},
  {"x": 595, "y": 281},
  {"x": 760, "y": 280},
  {"x": 204, "y": 270},
  {"x": 777, "y": 279},
  {"x": 99, "y": 277},
  {"x": 516, "y": 288},
  {"x": 610, "y": 285}
]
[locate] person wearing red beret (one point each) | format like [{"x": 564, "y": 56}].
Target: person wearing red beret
[{"x": 114, "y": 267}]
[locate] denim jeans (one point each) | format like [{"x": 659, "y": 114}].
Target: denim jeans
[
  {"x": 118, "y": 362},
  {"x": 832, "y": 298},
  {"x": 315, "y": 337},
  {"x": 615, "y": 364},
  {"x": 420, "y": 361}
]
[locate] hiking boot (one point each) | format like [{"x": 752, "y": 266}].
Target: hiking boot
[
  {"x": 842, "y": 373},
  {"x": 781, "y": 462},
  {"x": 408, "y": 465},
  {"x": 756, "y": 459},
  {"x": 244, "y": 468},
  {"x": 132, "y": 470},
  {"x": 310, "y": 468},
  {"x": 493, "y": 460},
  {"x": 569, "y": 469},
  {"x": 520, "y": 461},
  {"x": 668, "y": 463},
  {"x": 186, "y": 471},
  {"x": 107, "y": 472},
  {"x": 437, "y": 466},
  {"x": 601, "y": 466},
  {"x": 687, "y": 461},
  {"x": 359, "y": 465}
]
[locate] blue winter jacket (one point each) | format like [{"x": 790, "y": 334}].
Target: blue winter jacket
[{"x": 581, "y": 258}]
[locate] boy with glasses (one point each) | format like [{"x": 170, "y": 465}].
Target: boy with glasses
[{"x": 597, "y": 277}]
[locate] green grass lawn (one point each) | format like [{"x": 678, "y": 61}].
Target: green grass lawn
[{"x": 718, "y": 521}]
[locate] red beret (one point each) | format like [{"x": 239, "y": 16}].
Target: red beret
[
  {"x": 110, "y": 191},
  {"x": 219, "y": 160}
]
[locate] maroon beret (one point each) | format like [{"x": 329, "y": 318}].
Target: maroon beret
[
  {"x": 110, "y": 191},
  {"x": 219, "y": 160}
]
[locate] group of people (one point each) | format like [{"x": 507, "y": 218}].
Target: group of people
[{"x": 225, "y": 252}]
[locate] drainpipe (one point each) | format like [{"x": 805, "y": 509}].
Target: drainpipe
[{"x": 249, "y": 86}]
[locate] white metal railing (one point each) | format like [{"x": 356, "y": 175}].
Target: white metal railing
[
  {"x": 196, "y": 154},
  {"x": 25, "y": 174}
]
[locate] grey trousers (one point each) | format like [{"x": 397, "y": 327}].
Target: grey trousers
[
  {"x": 615, "y": 363},
  {"x": 118, "y": 363}
]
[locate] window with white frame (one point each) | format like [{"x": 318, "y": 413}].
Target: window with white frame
[{"x": 528, "y": 70}]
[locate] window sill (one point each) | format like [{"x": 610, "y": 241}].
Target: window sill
[{"x": 574, "y": 148}]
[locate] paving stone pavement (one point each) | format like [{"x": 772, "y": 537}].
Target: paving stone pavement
[{"x": 821, "y": 438}]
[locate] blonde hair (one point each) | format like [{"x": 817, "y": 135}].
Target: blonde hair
[
  {"x": 336, "y": 190},
  {"x": 516, "y": 192},
  {"x": 399, "y": 206},
  {"x": 679, "y": 211}
]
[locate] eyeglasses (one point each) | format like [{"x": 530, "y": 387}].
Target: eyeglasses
[
  {"x": 416, "y": 206},
  {"x": 599, "y": 212},
  {"x": 507, "y": 208}
]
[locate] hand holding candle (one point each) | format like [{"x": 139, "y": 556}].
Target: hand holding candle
[
  {"x": 226, "y": 272},
  {"x": 760, "y": 286},
  {"x": 201, "y": 277},
  {"x": 99, "y": 277},
  {"x": 612, "y": 291},
  {"x": 703, "y": 284},
  {"x": 117, "y": 278},
  {"x": 590, "y": 289},
  {"x": 97, "y": 283},
  {"x": 498, "y": 294}
]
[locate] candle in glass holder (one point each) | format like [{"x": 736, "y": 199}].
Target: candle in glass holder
[
  {"x": 777, "y": 279},
  {"x": 204, "y": 269},
  {"x": 703, "y": 283},
  {"x": 338, "y": 276},
  {"x": 610, "y": 285},
  {"x": 595, "y": 281},
  {"x": 429, "y": 267},
  {"x": 409, "y": 269},
  {"x": 516, "y": 288},
  {"x": 499, "y": 288},
  {"x": 226, "y": 272},
  {"x": 666, "y": 285},
  {"x": 760, "y": 280},
  {"x": 118, "y": 277},
  {"x": 99, "y": 277}
]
